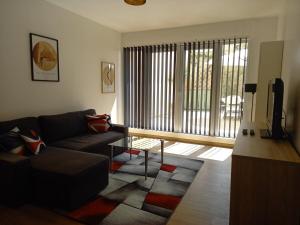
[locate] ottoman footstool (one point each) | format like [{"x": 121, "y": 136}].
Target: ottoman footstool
[
  {"x": 66, "y": 179},
  {"x": 15, "y": 188}
]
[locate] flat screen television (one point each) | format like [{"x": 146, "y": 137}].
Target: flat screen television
[{"x": 274, "y": 110}]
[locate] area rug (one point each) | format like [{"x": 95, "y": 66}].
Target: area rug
[{"x": 130, "y": 199}]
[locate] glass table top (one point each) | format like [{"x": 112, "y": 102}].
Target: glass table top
[{"x": 137, "y": 143}]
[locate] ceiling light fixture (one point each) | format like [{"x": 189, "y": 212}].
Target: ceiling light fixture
[{"x": 135, "y": 2}]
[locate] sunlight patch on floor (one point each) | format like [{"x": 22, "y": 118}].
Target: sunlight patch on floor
[
  {"x": 216, "y": 153},
  {"x": 182, "y": 148}
]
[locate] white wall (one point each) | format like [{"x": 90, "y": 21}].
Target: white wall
[
  {"x": 291, "y": 68},
  {"x": 83, "y": 44},
  {"x": 270, "y": 66},
  {"x": 258, "y": 30}
]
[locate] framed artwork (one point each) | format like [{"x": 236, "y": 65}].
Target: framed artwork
[
  {"x": 44, "y": 58},
  {"x": 108, "y": 77}
]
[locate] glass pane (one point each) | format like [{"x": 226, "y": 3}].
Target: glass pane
[
  {"x": 234, "y": 65},
  {"x": 197, "y": 91},
  {"x": 136, "y": 143}
]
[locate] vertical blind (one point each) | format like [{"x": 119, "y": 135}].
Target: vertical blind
[
  {"x": 206, "y": 78},
  {"x": 198, "y": 82},
  {"x": 214, "y": 74},
  {"x": 232, "y": 75},
  {"x": 149, "y": 86}
]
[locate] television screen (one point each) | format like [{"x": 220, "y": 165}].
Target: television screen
[
  {"x": 270, "y": 105},
  {"x": 274, "y": 110}
]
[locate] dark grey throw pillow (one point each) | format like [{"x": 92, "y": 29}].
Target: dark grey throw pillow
[{"x": 11, "y": 142}]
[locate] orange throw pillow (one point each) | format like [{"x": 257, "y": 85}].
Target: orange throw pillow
[{"x": 99, "y": 123}]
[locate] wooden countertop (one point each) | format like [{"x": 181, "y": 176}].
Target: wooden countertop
[{"x": 250, "y": 146}]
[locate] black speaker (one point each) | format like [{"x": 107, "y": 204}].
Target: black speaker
[{"x": 250, "y": 88}]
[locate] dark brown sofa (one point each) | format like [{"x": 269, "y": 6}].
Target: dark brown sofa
[
  {"x": 73, "y": 133},
  {"x": 68, "y": 172}
]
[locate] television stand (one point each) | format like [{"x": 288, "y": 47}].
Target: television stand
[
  {"x": 265, "y": 181},
  {"x": 265, "y": 133}
]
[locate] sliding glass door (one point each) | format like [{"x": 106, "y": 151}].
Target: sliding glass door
[
  {"x": 194, "y": 88},
  {"x": 149, "y": 87},
  {"x": 232, "y": 76},
  {"x": 198, "y": 71}
]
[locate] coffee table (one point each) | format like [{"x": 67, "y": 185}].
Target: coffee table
[{"x": 139, "y": 143}]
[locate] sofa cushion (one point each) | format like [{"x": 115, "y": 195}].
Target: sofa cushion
[
  {"x": 95, "y": 143},
  {"x": 64, "y": 162},
  {"x": 22, "y": 124},
  {"x": 57, "y": 127}
]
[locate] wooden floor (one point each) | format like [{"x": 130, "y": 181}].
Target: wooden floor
[
  {"x": 205, "y": 203},
  {"x": 207, "y": 200},
  {"x": 31, "y": 215}
]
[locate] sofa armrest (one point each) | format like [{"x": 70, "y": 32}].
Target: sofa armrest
[
  {"x": 120, "y": 128},
  {"x": 15, "y": 180}
]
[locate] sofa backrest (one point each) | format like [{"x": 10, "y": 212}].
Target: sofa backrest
[
  {"x": 57, "y": 127},
  {"x": 23, "y": 124}
]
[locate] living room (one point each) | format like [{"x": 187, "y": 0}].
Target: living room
[{"x": 156, "y": 96}]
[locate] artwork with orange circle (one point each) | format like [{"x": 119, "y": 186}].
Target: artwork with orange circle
[{"x": 44, "y": 56}]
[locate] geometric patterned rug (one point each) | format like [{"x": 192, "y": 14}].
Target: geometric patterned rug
[{"x": 129, "y": 199}]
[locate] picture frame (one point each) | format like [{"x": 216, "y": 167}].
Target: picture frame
[
  {"x": 108, "y": 77},
  {"x": 44, "y": 56}
]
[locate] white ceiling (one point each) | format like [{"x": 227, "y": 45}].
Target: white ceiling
[{"x": 157, "y": 14}]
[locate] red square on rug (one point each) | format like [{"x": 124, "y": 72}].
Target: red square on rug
[
  {"x": 116, "y": 165},
  {"x": 133, "y": 151},
  {"x": 168, "y": 168},
  {"x": 95, "y": 211},
  {"x": 164, "y": 201}
]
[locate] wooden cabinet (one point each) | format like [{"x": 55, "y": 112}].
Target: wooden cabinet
[{"x": 265, "y": 181}]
